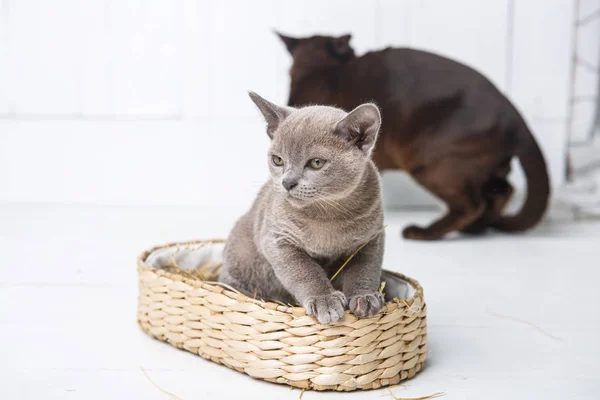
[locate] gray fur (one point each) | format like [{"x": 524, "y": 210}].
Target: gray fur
[{"x": 290, "y": 242}]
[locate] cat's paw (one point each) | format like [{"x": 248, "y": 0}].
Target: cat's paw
[
  {"x": 366, "y": 305},
  {"x": 415, "y": 233},
  {"x": 327, "y": 308}
]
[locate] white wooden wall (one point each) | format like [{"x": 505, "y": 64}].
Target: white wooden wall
[{"x": 144, "y": 101}]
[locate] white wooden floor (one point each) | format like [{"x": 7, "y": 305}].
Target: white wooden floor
[{"x": 509, "y": 317}]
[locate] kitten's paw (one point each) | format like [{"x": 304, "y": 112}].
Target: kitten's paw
[
  {"x": 366, "y": 305},
  {"x": 415, "y": 233},
  {"x": 327, "y": 308}
]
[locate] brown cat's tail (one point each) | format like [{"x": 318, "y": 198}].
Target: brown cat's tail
[{"x": 538, "y": 186}]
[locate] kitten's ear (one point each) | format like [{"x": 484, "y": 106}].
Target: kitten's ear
[
  {"x": 361, "y": 126},
  {"x": 273, "y": 113},
  {"x": 290, "y": 42},
  {"x": 341, "y": 46}
]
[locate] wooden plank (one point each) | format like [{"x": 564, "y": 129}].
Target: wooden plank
[
  {"x": 470, "y": 31},
  {"x": 5, "y": 64},
  {"x": 98, "y": 83},
  {"x": 195, "y": 68},
  {"x": 393, "y": 23},
  {"x": 132, "y": 162},
  {"x": 45, "y": 47},
  {"x": 542, "y": 58},
  {"x": 541, "y": 73},
  {"x": 144, "y": 55},
  {"x": 242, "y": 56}
]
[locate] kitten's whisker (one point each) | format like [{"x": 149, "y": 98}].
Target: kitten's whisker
[
  {"x": 333, "y": 204},
  {"x": 321, "y": 206}
]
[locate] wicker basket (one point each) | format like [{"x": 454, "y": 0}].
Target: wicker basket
[{"x": 279, "y": 343}]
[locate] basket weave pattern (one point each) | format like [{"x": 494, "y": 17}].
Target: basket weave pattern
[{"x": 282, "y": 344}]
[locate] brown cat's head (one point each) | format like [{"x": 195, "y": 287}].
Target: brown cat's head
[{"x": 317, "y": 52}]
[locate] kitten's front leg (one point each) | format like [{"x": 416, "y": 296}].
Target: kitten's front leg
[
  {"x": 361, "y": 279},
  {"x": 307, "y": 282}
]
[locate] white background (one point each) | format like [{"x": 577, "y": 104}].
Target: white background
[{"x": 144, "y": 102}]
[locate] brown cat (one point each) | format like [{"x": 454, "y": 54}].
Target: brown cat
[{"x": 445, "y": 124}]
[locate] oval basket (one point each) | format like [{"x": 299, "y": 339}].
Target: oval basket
[{"x": 280, "y": 343}]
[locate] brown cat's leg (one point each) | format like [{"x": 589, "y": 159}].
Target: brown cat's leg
[
  {"x": 497, "y": 192},
  {"x": 463, "y": 209}
]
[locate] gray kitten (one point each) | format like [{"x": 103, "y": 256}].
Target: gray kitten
[{"x": 321, "y": 204}]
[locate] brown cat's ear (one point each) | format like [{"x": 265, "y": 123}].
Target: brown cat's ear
[
  {"x": 361, "y": 126},
  {"x": 340, "y": 46},
  {"x": 290, "y": 42},
  {"x": 273, "y": 113}
]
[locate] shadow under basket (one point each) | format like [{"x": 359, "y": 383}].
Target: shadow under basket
[{"x": 180, "y": 303}]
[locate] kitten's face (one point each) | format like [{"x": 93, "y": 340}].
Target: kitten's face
[
  {"x": 318, "y": 153},
  {"x": 309, "y": 162}
]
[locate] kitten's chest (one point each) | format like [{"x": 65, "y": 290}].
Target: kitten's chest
[{"x": 328, "y": 240}]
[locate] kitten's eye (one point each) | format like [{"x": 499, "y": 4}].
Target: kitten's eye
[
  {"x": 316, "y": 163},
  {"x": 278, "y": 161}
]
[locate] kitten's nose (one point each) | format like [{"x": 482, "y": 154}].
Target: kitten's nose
[{"x": 289, "y": 183}]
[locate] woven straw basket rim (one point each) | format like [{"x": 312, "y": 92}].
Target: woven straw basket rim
[{"x": 280, "y": 343}]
